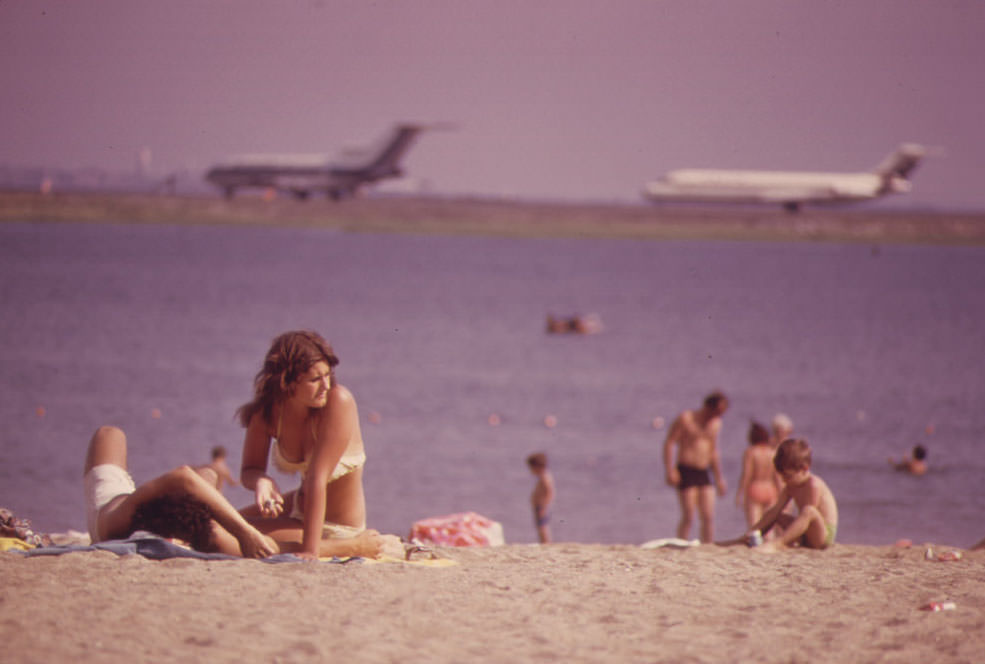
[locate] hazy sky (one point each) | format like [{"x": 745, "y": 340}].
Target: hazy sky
[{"x": 560, "y": 98}]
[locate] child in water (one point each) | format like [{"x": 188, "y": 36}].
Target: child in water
[
  {"x": 914, "y": 464},
  {"x": 542, "y": 496},
  {"x": 759, "y": 484},
  {"x": 217, "y": 473}
]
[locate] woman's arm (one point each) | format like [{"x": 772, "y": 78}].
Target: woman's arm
[
  {"x": 253, "y": 471},
  {"x": 334, "y": 429},
  {"x": 185, "y": 481}
]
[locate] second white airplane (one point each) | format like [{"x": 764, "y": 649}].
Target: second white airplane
[{"x": 787, "y": 188}]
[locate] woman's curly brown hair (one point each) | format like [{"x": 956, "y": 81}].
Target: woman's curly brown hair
[{"x": 291, "y": 354}]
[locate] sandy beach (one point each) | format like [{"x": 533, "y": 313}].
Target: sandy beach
[{"x": 526, "y": 603}]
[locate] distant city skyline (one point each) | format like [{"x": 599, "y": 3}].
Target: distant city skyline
[{"x": 560, "y": 99}]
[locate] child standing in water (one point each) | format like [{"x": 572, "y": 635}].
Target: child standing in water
[
  {"x": 217, "y": 473},
  {"x": 759, "y": 484},
  {"x": 542, "y": 496}
]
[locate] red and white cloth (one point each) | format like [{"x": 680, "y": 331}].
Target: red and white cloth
[{"x": 462, "y": 529}]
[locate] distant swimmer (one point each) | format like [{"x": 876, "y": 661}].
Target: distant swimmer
[
  {"x": 914, "y": 464},
  {"x": 590, "y": 324}
]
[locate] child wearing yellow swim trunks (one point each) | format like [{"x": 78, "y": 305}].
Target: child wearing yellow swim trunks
[{"x": 816, "y": 524}]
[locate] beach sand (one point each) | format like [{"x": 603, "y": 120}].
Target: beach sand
[{"x": 526, "y": 603}]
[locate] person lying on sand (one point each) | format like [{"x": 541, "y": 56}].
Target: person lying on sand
[
  {"x": 816, "y": 525},
  {"x": 179, "y": 504}
]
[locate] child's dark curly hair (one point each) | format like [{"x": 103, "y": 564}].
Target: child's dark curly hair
[{"x": 176, "y": 516}]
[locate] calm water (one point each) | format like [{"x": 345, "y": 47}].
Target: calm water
[{"x": 866, "y": 348}]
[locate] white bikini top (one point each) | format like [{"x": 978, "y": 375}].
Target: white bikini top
[{"x": 349, "y": 462}]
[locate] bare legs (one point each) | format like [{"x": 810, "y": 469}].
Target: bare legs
[
  {"x": 108, "y": 445},
  {"x": 288, "y": 534},
  {"x": 702, "y": 500},
  {"x": 809, "y": 528}
]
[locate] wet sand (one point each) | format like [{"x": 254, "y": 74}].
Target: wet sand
[
  {"x": 526, "y": 603},
  {"x": 495, "y": 217}
]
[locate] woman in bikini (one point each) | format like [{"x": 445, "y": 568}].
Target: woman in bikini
[
  {"x": 759, "y": 484},
  {"x": 307, "y": 423}
]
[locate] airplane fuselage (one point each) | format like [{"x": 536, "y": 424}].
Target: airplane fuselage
[
  {"x": 788, "y": 188},
  {"x": 302, "y": 174}
]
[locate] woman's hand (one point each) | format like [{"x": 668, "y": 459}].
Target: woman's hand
[{"x": 268, "y": 498}]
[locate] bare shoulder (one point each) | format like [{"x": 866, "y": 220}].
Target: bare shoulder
[
  {"x": 819, "y": 483},
  {"x": 340, "y": 395}
]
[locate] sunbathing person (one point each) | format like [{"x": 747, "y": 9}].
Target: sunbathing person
[{"x": 177, "y": 504}]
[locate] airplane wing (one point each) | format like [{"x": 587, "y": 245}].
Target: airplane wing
[
  {"x": 801, "y": 194},
  {"x": 289, "y": 182}
]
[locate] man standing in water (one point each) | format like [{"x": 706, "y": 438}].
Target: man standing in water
[{"x": 695, "y": 433}]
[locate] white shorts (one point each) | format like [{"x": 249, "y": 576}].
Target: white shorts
[{"x": 102, "y": 484}]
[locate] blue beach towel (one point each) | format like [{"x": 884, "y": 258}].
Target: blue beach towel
[{"x": 157, "y": 548}]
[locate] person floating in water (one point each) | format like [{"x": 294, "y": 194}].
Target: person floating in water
[
  {"x": 915, "y": 464},
  {"x": 590, "y": 324},
  {"x": 695, "y": 434},
  {"x": 542, "y": 496}
]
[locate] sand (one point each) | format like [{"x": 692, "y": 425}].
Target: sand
[{"x": 526, "y": 603}]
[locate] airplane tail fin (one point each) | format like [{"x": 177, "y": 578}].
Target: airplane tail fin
[
  {"x": 386, "y": 163},
  {"x": 897, "y": 167}
]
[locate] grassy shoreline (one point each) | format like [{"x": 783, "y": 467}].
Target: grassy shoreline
[{"x": 501, "y": 218}]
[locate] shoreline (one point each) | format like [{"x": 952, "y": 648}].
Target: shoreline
[
  {"x": 529, "y": 603},
  {"x": 503, "y": 218}
]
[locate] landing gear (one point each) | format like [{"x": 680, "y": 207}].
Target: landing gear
[
  {"x": 792, "y": 206},
  {"x": 300, "y": 194},
  {"x": 228, "y": 192}
]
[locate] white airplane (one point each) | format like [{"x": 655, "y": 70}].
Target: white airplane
[
  {"x": 302, "y": 174},
  {"x": 788, "y": 188}
]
